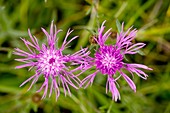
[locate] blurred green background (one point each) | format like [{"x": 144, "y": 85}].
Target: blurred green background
[{"x": 150, "y": 17}]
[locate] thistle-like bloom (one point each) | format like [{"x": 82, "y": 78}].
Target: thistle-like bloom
[
  {"x": 108, "y": 60},
  {"x": 50, "y": 63}
]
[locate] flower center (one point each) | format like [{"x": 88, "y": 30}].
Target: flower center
[
  {"x": 50, "y": 62},
  {"x": 108, "y": 60}
]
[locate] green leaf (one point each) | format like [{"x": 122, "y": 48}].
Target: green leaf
[
  {"x": 89, "y": 11},
  {"x": 9, "y": 53},
  {"x": 118, "y": 25},
  {"x": 141, "y": 52}
]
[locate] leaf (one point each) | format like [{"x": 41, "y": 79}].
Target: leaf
[
  {"x": 141, "y": 52},
  {"x": 118, "y": 25},
  {"x": 89, "y": 11},
  {"x": 9, "y": 53},
  {"x": 91, "y": 47}
]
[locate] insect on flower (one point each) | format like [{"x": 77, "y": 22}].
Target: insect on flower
[
  {"x": 92, "y": 39},
  {"x": 50, "y": 63},
  {"x": 108, "y": 60}
]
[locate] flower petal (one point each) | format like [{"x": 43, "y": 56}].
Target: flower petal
[
  {"x": 129, "y": 81},
  {"x": 112, "y": 88}
]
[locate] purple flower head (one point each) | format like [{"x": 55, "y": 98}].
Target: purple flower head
[
  {"x": 50, "y": 63},
  {"x": 109, "y": 59}
]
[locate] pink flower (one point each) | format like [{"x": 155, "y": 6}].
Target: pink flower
[
  {"x": 50, "y": 63},
  {"x": 108, "y": 60}
]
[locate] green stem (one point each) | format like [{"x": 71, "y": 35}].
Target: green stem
[{"x": 85, "y": 34}]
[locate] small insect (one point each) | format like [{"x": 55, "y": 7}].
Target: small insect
[
  {"x": 92, "y": 39},
  {"x": 113, "y": 35},
  {"x": 36, "y": 98}
]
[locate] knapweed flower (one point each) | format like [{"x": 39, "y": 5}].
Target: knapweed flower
[
  {"x": 50, "y": 63},
  {"x": 108, "y": 60}
]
